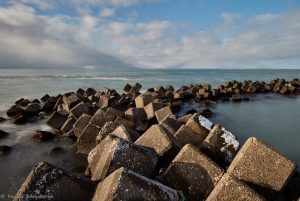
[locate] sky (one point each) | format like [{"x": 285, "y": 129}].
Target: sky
[{"x": 150, "y": 33}]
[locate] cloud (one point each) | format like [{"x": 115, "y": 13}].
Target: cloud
[
  {"x": 107, "y": 12},
  {"x": 30, "y": 39}
]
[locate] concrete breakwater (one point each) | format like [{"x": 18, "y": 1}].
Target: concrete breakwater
[{"x": 138, "y": 150}]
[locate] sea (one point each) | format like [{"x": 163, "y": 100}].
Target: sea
[{"x": 272, "y": 118}]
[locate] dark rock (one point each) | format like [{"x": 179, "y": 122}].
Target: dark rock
[
  {"x": 57, "y": 151},
  {"x": 24, "y": 103},
  {"x": 32, "y": 109},
  {"x": 3, "y": 134},
  {"x": 71, "y": 135},
  {"x": 35, "y": 101},
  {"x": 2, "y": 119},
  {"x": 81, "y": 123},
  {"x": 45, "y": 98},
  {"x": 19, "y": 101},
  {"x": 80, "y": 91},
  {"x": 43, "y": 136},
  {"x": 206, "y": 112},
  {"x": 14, "y": 110},
  {"x": 127, "y": 88},
  {"x": 136, "y": 88},
  {"x": 89, "y": 92},
  {"x": 20, "y": 119},
  {"x": 115, "y": 112},
  {"x": 4, "y": 150},
  {"x": 68, "y": 125},
  {"x": 125, "y": 184},
  {"x": 49, "y": 105},
  {"x": 47, "y": 182},
  {"x": 57, "y": 120},
  {"x": 81, "y": 108},
  {"x": 191, "y": 111},
  {"x": 220, "y": 145}
]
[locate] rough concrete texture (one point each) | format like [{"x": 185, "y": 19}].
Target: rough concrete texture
[
  {"x": 158, "y": 139},
  {"x": 80, "y": 109},
  {"x": 116, "y": 152},
  {"x": 107, "y": 128},
  {"x": 81, "y": 123},
  {"x": 124, "y": 122},
  {"x": 136, "y": 114},
  {"x": 47, "y": 182},
  {"x": 68, "y": 125},
  {"x": 151, "y": 108},
  {"x": 57, "y": 120},
  {"x": 115, "y": 112},
  {"x": 220, "y": 145},
  {"x": 87, "y": 140},
  {"x": 185, "y": 118},
  {"x": 101, "y": 117},
  {"x": 142, "y": 100},
  {"x": 171, "y": 124},
  {"x": 193, "y": 173},
  {"x": 127, "y": 185},
  {"x": 260, "y": 165},
  {"x": 163, "y": 113},
  {"x": 230, "y": 188},
  {"x": 193, "y": 123},
  {"x": 126, "y": 133},
  {"x": 185, "y": 135}
]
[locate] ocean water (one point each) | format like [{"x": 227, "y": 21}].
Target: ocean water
[{"x": 272, "y": 118}]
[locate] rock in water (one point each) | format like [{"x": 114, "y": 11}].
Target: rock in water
[
  {"x": 47, "y": 182},
  {"x": 127, "y": 185},
  {"x": 263, "y": 167},
  {"x": 3, "y": 134},
  {"x": 43, "y": 136},
  {"x": 4, "y": 150},
  {"x": 2, "y": 119}
]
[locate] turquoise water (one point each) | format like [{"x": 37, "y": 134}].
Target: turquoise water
[{"x": 273, "y": 118}]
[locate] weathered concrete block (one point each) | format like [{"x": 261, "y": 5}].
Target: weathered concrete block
[
  {"x": 185, "y": 118},
  {"x": 258, "y": 164},
  {"x": 163, "y": 113},
  {"x": 81, "y": 123},
  {"x": 47, "y": 182},
  {"x": 57, "y": 120},
  {"x": 113, "y": 153},
  {"x": 68, "y": 125},
  {"x": 230, "y": 188},
  {"x": 127, "y": 185},
  {"x": 101, "y": 117},
  {"x": 185, "y": 135},
  {"x": 80, "y": 109},
  {"x": 220, "y": 145},
  {"x": 127, "y": 88},
  {"x": 106, "y": 129},
  {"x": 87, "y": 140},
  {"x": 125, "y": 122},
  {"x": 14, "y": 110},
  {"x": 136, "y": 114},
  {"x": 70, "y": 100},
  {"x": 126, "y": 133},
  {"x": 171, "y": 124},
  {"x": 115, "y": 112},
  {"x": 159, "y": 139},
  {"x": 151, "y": 108},
  {"x": 89, "y": 92},
  {"x": 193, "y": 173},
  {"x": 142, "y": 100},
  {"x": 136, "y": 88},
  {"x": 199, "y": 125}
]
